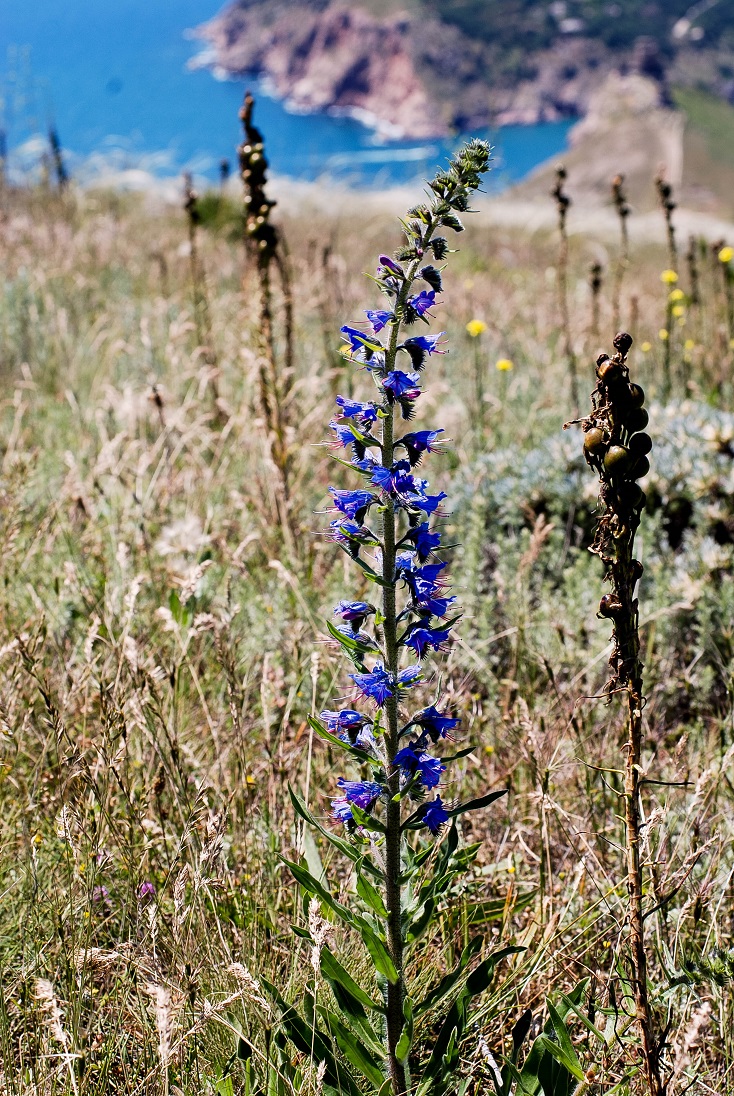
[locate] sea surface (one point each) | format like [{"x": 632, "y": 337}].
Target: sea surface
[{"x": 113, "y": 77}]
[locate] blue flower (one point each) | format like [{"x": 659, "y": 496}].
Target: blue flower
[
  {"x": 365, "y": 413},
  {"x": 424, "y": 540},
  {"x": 353, "y": 504},
  {"x": 433, "y": 724},
  {"x": 402, "y": 386},
  {"x": 378, "y": 685},
  {"x": 434, "y": 815},
  {"x": 341, "y": 811},
  {"x": 421, "y": 638},
  {"x": 429, "y": 769},
  {"x": 344, "y": 435},
  {"x": 348, "y": 720},
  {"x": 363, "y": 793},
  {"x": 378, "y": 318},
  {"x": 357, "y": 339},
  {"x": 350, "y": 533},
  {"x": 420, "y": 346},
  {"x": 410, "y": 676},
  {"x": 424, "y": 580},
  {"x": 396, "y": 480},
  {"x": 429, "y": 343},
  {"x": 419, "y": 442},
  {"x": 367, "y": 464},
  {"x": 429, "y": 504},
  {"x": 422, "y": 302},
  {"x": 355, "y": 612},
  {"x": 433, "y": 606}
]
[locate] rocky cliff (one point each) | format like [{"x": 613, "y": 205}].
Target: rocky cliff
[{"x": 415, "y": 74}]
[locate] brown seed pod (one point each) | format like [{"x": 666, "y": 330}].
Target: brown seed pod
[
  {"x": 622, "y": 343},
  {"x": 642, "y": 467},
  {"x": 640, "y": 445},
  {"x": 617, "y": 460},
  {"x": 636, "y": 420},
  {"x": 610, "y": 606},
  {"x": 632, "y": 496},
  {"x": 609, "y": 372},
  {"x": 594, "y": 444},
  {"x": 636, "y": 395}
]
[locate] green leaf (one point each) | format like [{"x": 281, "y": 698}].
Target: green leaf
[
  {"x": 455, "y": 757},
  {"x": 477, "y": 804},
  {"x": 311, "y": 1042},
  {"x": 566, "y": 1055},
  {"x": 224, "y": 1086},
  {"x": 584, "y": 1019},
  {"x": 313, "y": 886},
  {"x": 313, "y": 859},
  {"x": 371, "y": 896},
  {"x": 350, "y": 643},
  {"x": 368, "y": 821},
  {"x": 353, "y": 1050},
  {"x": 378, "y": 952},
  {"x": 333, "y": 971},
  {"x": 481, "y": 977},
  {"x": 405, "y": 1042},
  {"x": 419, "y": 925},
  {"x": 448, "y": 982}
]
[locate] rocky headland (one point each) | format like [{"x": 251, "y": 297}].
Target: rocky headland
[{"x": 411, "y": 74}]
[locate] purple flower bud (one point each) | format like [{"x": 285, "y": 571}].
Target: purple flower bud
[
  {"x": 387, "y": 263},
  {"x": 146, "y": 892},
  {"x": 101, "y": 894}
]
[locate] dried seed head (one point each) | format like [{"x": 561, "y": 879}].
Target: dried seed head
[{"x": 622, "y": 343}]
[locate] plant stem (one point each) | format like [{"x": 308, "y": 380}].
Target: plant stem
[{"x": 393, "y": 869}]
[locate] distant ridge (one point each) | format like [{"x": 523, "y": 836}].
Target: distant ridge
[{"x": 426, "y": 68}]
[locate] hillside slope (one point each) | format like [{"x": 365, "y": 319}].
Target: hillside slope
[{"x": 424, "y": 68}]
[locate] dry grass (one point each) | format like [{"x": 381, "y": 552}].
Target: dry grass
[{"x": 160, "y": 652}]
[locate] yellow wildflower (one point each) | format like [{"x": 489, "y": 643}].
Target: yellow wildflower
[
  {"x": 689, "y": 344},
  {"x": 663, "y": 334},
  {"x": 505, "y": 365},
  {"x": 646, "y": 347},
  {"x": 475, "y": 328},
  {"x": 679, "y": 310},
  {"x": 669, "y": 277},
  {"x": 726, "y": 254},
  {"x": 676, "y": 295}
]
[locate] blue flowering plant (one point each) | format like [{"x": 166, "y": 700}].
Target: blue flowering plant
[{"x": 397, "y": 818}]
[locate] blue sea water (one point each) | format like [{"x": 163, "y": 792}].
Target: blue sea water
[{"x": 113, "y": 77}]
